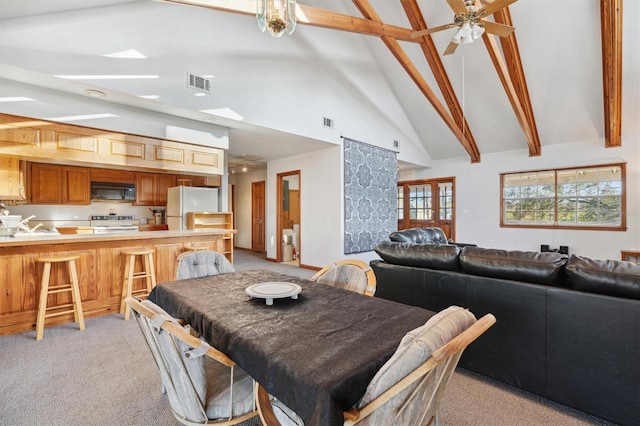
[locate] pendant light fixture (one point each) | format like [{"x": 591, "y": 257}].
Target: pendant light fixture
[{"x": 277, "y": 16}]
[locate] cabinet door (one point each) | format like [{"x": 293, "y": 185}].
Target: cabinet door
[
  {"x": 163, "y": 182},
  {"x": 12, "y": 179},
  {"x": 45, "y": 184},
  {"x": 145, "y": 195},
  {"x": 77, "y": 188}
]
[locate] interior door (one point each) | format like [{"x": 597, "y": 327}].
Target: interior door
[{"x": 257, "y": 216}]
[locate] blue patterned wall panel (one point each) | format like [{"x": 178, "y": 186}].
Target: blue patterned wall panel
[{"x": 370, "y": 194}]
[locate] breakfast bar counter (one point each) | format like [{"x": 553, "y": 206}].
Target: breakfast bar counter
[{"x": 100, "y": 269}]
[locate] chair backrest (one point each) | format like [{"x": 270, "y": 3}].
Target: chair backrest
[
  {"x": 350, "y": 274},
  {"x": 408, "y": 388},
  {"x": 201, "y": 263},
  {"x": 179, "y": 357}
]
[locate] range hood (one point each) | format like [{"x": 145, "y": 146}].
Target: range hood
[{"x": 113, "y": 191}]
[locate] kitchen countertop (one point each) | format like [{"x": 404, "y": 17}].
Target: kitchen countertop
[{"x": 26, "y": 239}]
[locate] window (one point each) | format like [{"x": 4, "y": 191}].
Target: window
[{"x": 582, "y": 198}]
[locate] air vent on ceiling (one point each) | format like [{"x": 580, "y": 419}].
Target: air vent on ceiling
[
  {"x": 327, "y": 122},
  {"x": 199, "y": 83}
]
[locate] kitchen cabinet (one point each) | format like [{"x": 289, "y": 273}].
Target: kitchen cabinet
[
  {"x": 210, "y": 181},
  {"x": 12, "y": 179},
  {"x": 210, "y": 220},
  {"x": 43, "y": 140},
  {"x": 111, "y": 175},
  {"x": 151, "y": 188},
  {"x": 54, "y": 184}
]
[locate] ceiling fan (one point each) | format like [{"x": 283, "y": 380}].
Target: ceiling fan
[{"x": 470, "y": 20}]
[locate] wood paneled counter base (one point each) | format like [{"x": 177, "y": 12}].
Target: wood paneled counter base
[{"x": 100, "y": 270}]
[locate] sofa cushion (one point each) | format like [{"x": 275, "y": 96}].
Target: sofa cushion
[
  {"x": 432, "y": 235},
  {"x": 432, "y": 256},
  {"x": 608, "y": 277},
  {"x": 525, "y": 266}
]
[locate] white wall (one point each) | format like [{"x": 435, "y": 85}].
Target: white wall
[
  {"x": 478, "y": 198},
  {"x": 242, "y": 210},
  {"x": 321, "y": 203}
]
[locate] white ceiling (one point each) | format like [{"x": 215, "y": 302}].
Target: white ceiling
[{"x": 559, "y": 43}]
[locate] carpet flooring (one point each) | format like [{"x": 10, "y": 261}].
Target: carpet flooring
[{"x": 105, "y": 375}]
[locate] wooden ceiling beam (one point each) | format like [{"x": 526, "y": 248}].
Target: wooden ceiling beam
[
  {"x": 417, "y": 21},
  {"x": 503, "y": 73},
  {"x": 516, "y": 72},
  {"x": 611, "y": 33},
  {"x": 392, "y": 44},
  {"x": 313, "y": 16}
]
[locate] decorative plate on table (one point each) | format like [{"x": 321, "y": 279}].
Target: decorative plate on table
[{"x": 273, "y": 290}]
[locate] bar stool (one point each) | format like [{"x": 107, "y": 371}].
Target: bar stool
[
  {"x": 148, "y": 273},
  {"x": 46, "y": 290}
]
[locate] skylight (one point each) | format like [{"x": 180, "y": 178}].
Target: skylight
[
  {"x": 126, "y": 54},
  {"x": 108, "y": 77},
  {"x": 16, "y": 99},
  {"x": 82, "y": 117}
]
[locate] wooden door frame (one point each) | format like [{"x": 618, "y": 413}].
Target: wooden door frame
[
  {"x": 279, "y": 212},
  {"x": 435, "y": 197}
]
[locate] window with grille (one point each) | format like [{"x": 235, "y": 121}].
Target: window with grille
[{"x": 579, "y": 198}]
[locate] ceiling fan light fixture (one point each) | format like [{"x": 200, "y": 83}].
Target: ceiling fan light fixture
[
  {"x": 477, "y": 31},
  {"x": 457, "y": 37},
  {"x": 466, "y": 33},
  {"x": 276, "y": 16}
]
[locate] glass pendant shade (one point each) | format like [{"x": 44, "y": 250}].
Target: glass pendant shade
[
  {"x": 477, "y": 31},
  {"x": 277, "y": 16},
  {"x": 465, "y": 32}
]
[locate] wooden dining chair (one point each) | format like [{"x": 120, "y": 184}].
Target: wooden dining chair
[
  {"x": 203, "y": 385},
  {"x": 408, "y": 389},
  {"x": 201, "y": 263},
  {"x": 350, "y": 274}
]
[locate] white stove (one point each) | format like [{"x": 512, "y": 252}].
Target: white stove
[{"x": 112, "y": 223}]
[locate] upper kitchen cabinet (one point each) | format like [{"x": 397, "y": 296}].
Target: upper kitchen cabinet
[
  {"x": 54, "y": 184},
  {"x": 12, "y": 179},
  {"x": 109, "y": 175},
  {"x": 211, "y": 181},
  {"x": 151, "y": 188},
  {"x": 43, "y": 140}
]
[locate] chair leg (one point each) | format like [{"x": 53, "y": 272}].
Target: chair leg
[
  {"x": 42, "y": 305},
  {"x": 151, "y": 273}
]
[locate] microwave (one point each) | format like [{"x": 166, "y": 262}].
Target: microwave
[{"x": 110, "y": 191}]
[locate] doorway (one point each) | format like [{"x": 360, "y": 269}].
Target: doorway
[
  {"x": 427, "y": 203},
  {"x": 288, "y": 217},
  {"x": 257, "y": 217}
]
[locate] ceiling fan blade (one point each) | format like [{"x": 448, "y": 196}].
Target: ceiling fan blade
[
  {"x": 458, "y": 6},
  {"x": 421, "y": 33},
  {"x": 495, "y": 6},
  {"x": 450, "y": 48},
  {"x": 497, "y": 29}
]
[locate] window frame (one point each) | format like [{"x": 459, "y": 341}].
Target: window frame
[{"x": 555, "y": 224}]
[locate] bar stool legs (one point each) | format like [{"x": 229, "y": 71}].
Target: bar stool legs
[
  {"x": 46, "y": 289},
  {"x": 130, "y": 274}
]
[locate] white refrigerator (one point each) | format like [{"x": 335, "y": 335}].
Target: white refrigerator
[{"x": 184, "y": 199}]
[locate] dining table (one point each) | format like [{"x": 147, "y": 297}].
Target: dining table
[{"x": 316, "y": 350}]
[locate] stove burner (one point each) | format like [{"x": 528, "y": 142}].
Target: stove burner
[{"x": 111, "y": 217}]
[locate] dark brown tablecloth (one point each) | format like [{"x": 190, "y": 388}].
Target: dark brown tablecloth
[{"x": 316, "y": 354}]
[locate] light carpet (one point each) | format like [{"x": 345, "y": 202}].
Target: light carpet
[{"x": 105, "y": 375}]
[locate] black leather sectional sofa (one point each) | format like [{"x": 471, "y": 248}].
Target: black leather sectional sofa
[{"x": 568, "y": 328}]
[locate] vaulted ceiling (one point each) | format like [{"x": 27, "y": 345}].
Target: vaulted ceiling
[{"x": 569, "y": 72}]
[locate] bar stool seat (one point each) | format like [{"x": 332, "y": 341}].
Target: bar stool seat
[
  {"x": 46, "y": 289},
  {"x": 148, "y": 273}
]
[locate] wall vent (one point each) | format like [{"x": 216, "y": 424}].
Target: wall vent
[
  {"x": 327, "y": 122},
  {"x": 199, "y": 83},
  {"x": 396, "y": 144}
]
